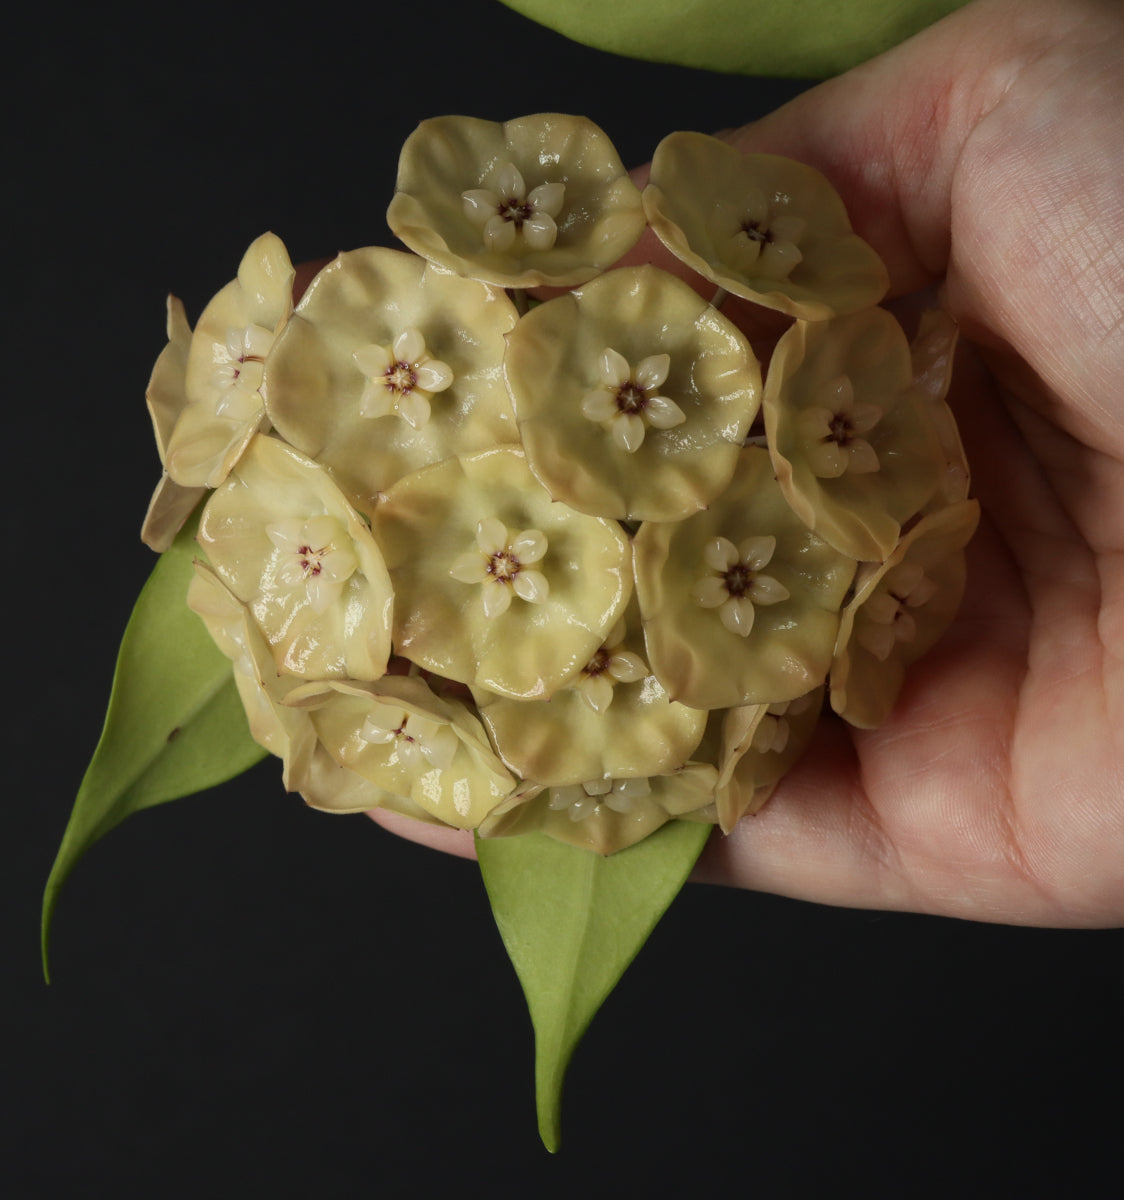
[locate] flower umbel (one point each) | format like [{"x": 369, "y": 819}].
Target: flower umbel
[
  {"x": 509, "y": 212},
  {"x": 499, "y": 563},
  {"x": 736, "y": 584},
  {"x": 628, "y": 401},
  {"x": 401, "y": 378}
]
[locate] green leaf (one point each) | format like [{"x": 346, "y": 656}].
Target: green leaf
[
  {"x": 808, "y": 39},
  {"x": 175, "y": 724},
  {"x": 572, "y": 921}
]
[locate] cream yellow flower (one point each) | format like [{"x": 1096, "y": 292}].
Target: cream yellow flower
[
  {"x": 387, "y": 365},
  {"x": 503, "y": 564},
  {"x": 225, "y": 364},
  {"x": 542, "y": 199},
  {"x": 852, "y": 439},
  {"x": 604, "y": 815},
  {"x": 633, "y": 395},
  {"x": 463, "y": 540},
  {"x": 171, "y": 503},
  {"x": 762, "y": 227},
  {"x": 283, "y": 538},
  {"x": 899, "y": 610}
]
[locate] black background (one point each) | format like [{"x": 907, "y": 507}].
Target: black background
[{"x": 254, "y": 999}]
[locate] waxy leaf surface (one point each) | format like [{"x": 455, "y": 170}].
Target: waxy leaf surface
[
  {"x": 175, "y": 724},
  {"x": 808, "y": 39},
  {"x": 572, "y": 921}
]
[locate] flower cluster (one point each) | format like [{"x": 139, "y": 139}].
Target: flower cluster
[{"x": 574, "y": 565}]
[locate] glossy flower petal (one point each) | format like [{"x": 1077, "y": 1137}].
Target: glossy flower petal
[
  {"x": 633, "y": 395},
  {"x": 171, "y": 503},
  {"x": 899, "y": 610},
  {"x": 400, "y": 736},
  {"x": 741, "y": 645},
  {"x": 377, "y": 332},
  {"x": 225, "y": 364},
  {"x": 612, "y": 720},
  {"x": 463, "y": 627},
  {"x": 542, "y": 199},
  {"x": 604, "y": 815},
  {"x": 763, "y": 227}
]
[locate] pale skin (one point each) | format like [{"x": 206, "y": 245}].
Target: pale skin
[{"x": 984, "y": 157}]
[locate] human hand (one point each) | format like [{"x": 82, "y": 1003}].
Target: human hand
[{"x": 983, "y": 156}]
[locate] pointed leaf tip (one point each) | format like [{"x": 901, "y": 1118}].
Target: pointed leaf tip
[
  {"x": 572, "y": 921},
  {"x": 175, "y": 724}
]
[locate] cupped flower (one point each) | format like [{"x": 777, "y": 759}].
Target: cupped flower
[
  {"x": 852, "y": 442},
  {"x": 633, "y": 395},
  {"x": 388, "y": 365},
  {"x": 604, "y": 815},
  {"x": 899, "y": 610},
  {"x": 496, "y": 585},
  {"x": 542, "y": 199},
  {"x": 719, "y": 633},
  {"x": 759, "y": 743},
  {"x": 225, "y": 364},
  {"x": 284, "y": 539},
  {"x": 171, "y": 503},
  {"x": 766, "y": 228},
  {"x": 613, "y": 720},
  {"x": 398, "y": 735}
]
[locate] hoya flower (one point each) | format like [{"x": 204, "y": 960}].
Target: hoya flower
[
  {"x": 852, "y": 441},
  {"x": 171, "y": 503},
  {"x": 627, "y": 400},
  {"x": 503, "y": 564},
  {"x": 542, "y": 199},
  {"x": 401, "y": 737},
  {"x": 736, "y": 580},
  {"x": 899, "y": 610},
  {"x": 495, "y": 584},
  {"x": 604, "y": 815},
  {"x": 225, "y": 364},
  {"x": 718, "y": 632},
  {"x": 401, "y": 378},
  {"x": 612, "y": 720},
  {"x": 633, "y": 395},
  {"x": 388, "y": 365},
  {"x": 283, "y": 538},
  {"x": 759, "y": 743},
  {"x": 762, "y": 227}
]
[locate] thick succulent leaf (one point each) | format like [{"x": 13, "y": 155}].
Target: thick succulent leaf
[
  {"x": 572, "y": 921},
  {"x": 175, "y": 724},
  {"x": 808, "y": 39}
]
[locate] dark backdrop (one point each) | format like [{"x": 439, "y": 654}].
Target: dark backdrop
[{"x": 252, "y": 999}]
